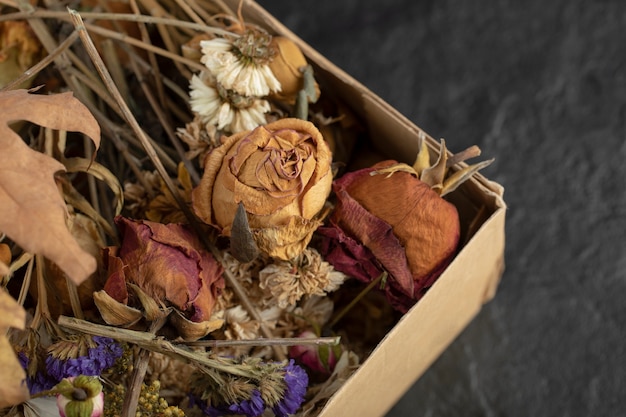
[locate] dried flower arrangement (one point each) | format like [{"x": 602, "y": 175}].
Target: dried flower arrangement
[{"x": 236, "y": 257}]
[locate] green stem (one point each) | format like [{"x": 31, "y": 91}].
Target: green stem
[{"x": 381, "y": 278}]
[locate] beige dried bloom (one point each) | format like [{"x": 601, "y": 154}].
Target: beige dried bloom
[
  {"x": 199, "y": 137},
  {"x": 172, "y": 373},
  {"x": 311, "y": 312},
  {"x": 224, "y": 108},
  {"x": 241, "y": 64},
  {"x": 308, "y": 274},
  {"x": 136, "y": 197}
]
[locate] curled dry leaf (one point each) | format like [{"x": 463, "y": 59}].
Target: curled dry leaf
[
  {"x": 32, "y": 212},
  {"x": 12, "y": 390}
]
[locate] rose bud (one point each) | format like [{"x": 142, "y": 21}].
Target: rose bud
[
  {"x": 80, "y": 396},
  {"x": 320, "y": 360},
  {"x": 280, "y": 172},
  {"x": 168, "y": 263},
  {"x": 287, "y": 64},
  {"x": 397, "y": 222}
]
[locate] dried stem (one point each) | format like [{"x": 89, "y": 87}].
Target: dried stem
[
  {"x": 356, "y": 299},
  {"x": 150, "y": 342},
  {"x": 165, "y": 122},
  {"x": 139, "y": 18},
  {"x": 131, "y": 400},
  {"x": 154, "y": 65}
]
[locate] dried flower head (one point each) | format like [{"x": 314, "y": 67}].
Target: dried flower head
[
  {"x": 307, "y": 274},
  {"x": 137, "y": 197},
  {"x": 249, "y": 388},
  {"x": 225, "y": 108},
  {"x": 199, "y": 137},
  {"x": 168, "y": 263},
  {"x": 241, "y": 64},
  {"x": 80, "y": 396},
  {"x": 281, "y": 173},
  {"x": 81, "y": 355}
]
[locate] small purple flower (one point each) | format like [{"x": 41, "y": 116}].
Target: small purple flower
[
  {"x": 98, "y": 359},
  {"x": 296, "y": 382},
  {"x": 253, "y": 407},
  {"x": 290, "y": 380},
  {"x": 40, "y": 381}
]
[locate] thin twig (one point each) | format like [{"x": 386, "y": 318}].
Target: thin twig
[
  {"x": 51, "y": 14},
  {"x": 154, "y": 64},
  {"x": 166, "y": 124},
  {"x": 285, "y": 341},
  {"x": 356, "y": 299}
]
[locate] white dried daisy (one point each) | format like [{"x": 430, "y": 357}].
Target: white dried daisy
[
  {"x": 224, "y": 108},
  {"x": 241, "y": 64}
]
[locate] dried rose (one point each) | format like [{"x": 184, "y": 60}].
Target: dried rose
[
  {"x": 280, "y": 172},
  {"x": 394, "y": 223},
  {"x": 168, "y": 263}
]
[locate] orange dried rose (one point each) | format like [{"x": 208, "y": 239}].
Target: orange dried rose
[
  {"x": 394, "y": 223},
  {"x": 280, "y": 172}
]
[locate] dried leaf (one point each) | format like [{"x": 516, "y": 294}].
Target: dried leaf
[
  {"x": 32, "y": 212},
  {"x": 242, "y": 243},
  {"x": 13, "y": 390}
]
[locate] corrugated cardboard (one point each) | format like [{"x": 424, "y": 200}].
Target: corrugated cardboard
[{"x": 457, "y": 296}]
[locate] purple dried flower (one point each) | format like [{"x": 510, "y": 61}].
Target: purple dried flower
[
  {"x": 284, "y": 387},
  {"x": 251, "y": 408},
  {"x": 38, "y": 382},
  {"x": 98, "y": 358},
  {"x": 296, "y": 382}
]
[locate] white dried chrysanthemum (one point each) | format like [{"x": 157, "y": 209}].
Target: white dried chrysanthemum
[
  {"x": 241, "y": 64},
  {"x": 224, "y": 108},
  {"x": 287, "y": 281}
]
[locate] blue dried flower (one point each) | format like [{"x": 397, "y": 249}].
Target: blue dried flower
[{"x": 296, "y": 382}]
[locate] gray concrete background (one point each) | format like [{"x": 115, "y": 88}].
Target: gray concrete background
[{"x": 540, "y": 86}]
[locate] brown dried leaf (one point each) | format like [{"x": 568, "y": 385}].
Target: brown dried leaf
[
  {"x": 13, "y": 390},
  {"x": 32, "y": 212}
]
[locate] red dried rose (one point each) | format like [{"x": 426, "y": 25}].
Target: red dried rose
[
  {"x": 392, "y": 223},
  {"x": 168, "y": 263}
]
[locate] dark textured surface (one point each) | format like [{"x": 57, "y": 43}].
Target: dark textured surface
[{"x": 541, "y": 86}]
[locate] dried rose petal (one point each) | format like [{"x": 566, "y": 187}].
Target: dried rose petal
[
  {"x": 411, "y": 231},
  {"x": 168, "y": 263}
]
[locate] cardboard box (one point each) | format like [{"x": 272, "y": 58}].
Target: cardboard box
[{"x": 457, "y": 296}]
